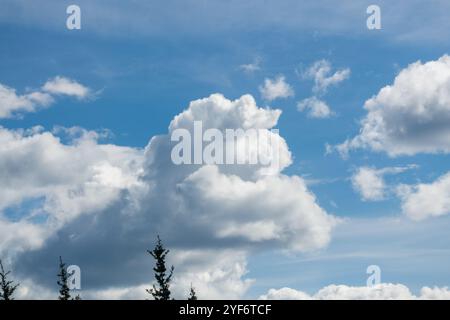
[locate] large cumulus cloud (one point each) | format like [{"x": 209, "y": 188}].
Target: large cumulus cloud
[
  {"x": 47, "y": 184},
  {"x": 410, "y": 116},
  {"x": 101, "y": 206}
]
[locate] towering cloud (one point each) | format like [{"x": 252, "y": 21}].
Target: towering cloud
[{"x": 109, "y": 202}]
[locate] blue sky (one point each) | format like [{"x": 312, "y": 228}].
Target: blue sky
[{"x": 144, "y": 64}]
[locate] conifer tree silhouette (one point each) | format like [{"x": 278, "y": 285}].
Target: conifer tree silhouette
[
  {"x": 7, "y": 287},
  {"x": 64, "y": 291},
  {"x": 161, "y": 291},
  {"x": 192, "y": 294}
]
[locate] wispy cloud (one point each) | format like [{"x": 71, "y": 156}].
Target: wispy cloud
[
  {"x": 321, "y": 73},
  {"x": 251, "y": 67}
]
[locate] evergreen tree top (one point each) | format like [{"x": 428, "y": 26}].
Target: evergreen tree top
[
  {"x": 7, "y": 287},
  {"x": 64, "y": 291},
  {"x": 161, "y": 290}
]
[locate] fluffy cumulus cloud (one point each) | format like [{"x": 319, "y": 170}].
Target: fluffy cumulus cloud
[
  {"x": 101, "y": 206},
  {"x": 222, "y": 278},
  {"x": 383, "y": 291},
  {"x": 425, "y": 200},
  {"x": 13, "y": 104},
  {"x": 278, "y": 208},
  {"x": 56, "y": 186},
  {"x": 316, "y": 108},
  {"x": 214, "y": 275},
  {"x": 276, "y": 88},
  {"x": 285, "y": 294},
  {"x": 370, "y": 184},
  {"x": 410, "y": 116}
]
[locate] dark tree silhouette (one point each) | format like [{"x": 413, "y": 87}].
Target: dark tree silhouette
[
  {"x": 161, "y": 291},
  {"x": 7, "y": 287},
  {"x": 64, "y": 291},
  {"x": 192, "y": 294}
]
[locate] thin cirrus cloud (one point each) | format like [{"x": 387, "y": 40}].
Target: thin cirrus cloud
[
  {"x": 155, "y": 18},
  {"x": 276, "y": 88},
  {"x": 13, "y": 104},
  {"x": 410, "y": 116}
]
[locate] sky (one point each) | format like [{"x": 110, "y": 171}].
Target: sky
[{"x": 363, "y": 117}]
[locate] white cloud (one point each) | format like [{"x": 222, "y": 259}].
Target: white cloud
[
  {"x": 305, "y": 226},
  {"x": 426, "y": 200},
  {"x": 204, "y": 190},
  {"x": 285, "y": 294},
  {"x": 321, "y": 73},
  {"x": 59, "y": 184},
  {"x": 64, "y": 86},
  {"x": 90, "y": 192},
  {"x": 276, "y": 88},
  {"x": 16, "y": 237},
  {"x": 435, "y": 293},
  {"x": 29, "y": 290},
  {"x": 12, "y": 104},
  {"x": 251, "y": 67},
  {"x": 370, "y": 184},
  {"x": 215, "y": 274},
  {"x": 117, "y": 293},
  {"x": 383, "y": 291},
  {"x": 410, "y": 116},
  {"x": 316, "y": 108}
]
